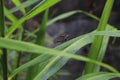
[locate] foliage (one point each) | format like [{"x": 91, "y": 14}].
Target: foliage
[{"x": 45, "y": 62}]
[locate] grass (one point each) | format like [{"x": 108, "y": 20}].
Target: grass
[
  {"x": 97, "y": 44},
  {"x": 45, "y": 62},
  {"x": 2, "y": 34}
]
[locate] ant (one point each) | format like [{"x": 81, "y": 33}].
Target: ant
[{"x": 64, "y": 38}]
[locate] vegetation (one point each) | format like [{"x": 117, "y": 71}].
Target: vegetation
[{"x": 45, "y": 62}]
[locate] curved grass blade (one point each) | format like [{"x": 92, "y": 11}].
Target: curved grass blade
[
  {"x": 64, "y": 46},
  {"x": 68, "y": 14},
  {"x": 35, "y": 49},
  {"x": 36, "y": 10},
  {"x": 18, "y": 3},
  {"x": 99, "y": 76},
  {"x": 37, "y": 60},
  {"x": 28, "y": 48},
  {"x": 23, "y": 5},
  {"x": 57, "y": 62},
  {"x": 32, "y": 62}
]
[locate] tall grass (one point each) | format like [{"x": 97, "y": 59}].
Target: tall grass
[
  {"x": 45, "y": 62},
  {"x": 2, "y": 34},
  {"x": 97, "y": 44}
]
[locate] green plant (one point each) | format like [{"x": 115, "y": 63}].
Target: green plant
[{"x": 45, "y": 62}]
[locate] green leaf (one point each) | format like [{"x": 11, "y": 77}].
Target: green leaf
[
  {"x": 36, "y": 10},
  {"x": 99, "y": 76},
  {"x": 68, "y": 14},
  {"x": 2, "y": 19},
  {"x": 2, "y": 34},
  {"x": 11, "y": 17},
  {"x": 23, "y": 46},
  {"x": 97, "y": 44},
  {"x": 17, "y": 3},
  {"x": 59, "y": 62},
  {"x": 37, "y": 60},
  {"x": 42, "y": 30},
  {"x": 55, "y": 64},
  {"x": 39, "y": 41},
  {"x": 21, "y": 6}
]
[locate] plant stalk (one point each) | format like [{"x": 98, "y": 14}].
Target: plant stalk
[
  {"x": 2, "y": 31},
  {"x": 97, "y": 43}
]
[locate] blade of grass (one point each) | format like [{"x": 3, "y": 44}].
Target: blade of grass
[
  {"x": 57, "y": 62},
  {"x": 102, "y": 52},
  {"x": 68, "y": 14},
  {"x": 35, "y": 49},
  {"x": 63, "y": 47},
  {"x": 36, "y": 10},
  {"x": 99, "y": 76},
  {"x": 42, "y": 30},
  {"x": 66, "y": 44},
  {"x": 2, "y": 34},
  {"x": 21, "y": 6},
  {"x": 18, "y": 3},
  {"x": 39, "y": 58},
  {"x": 2, "y": 19},
  {"x": 40, "y": 41},
  {"x": 11, "y": 17},
  {"x": 96, "y": 45}
]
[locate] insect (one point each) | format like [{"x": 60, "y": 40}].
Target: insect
[{"x": 63, "y": 38}]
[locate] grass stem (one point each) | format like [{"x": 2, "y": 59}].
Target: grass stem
[{"x": 2, "y": 31}]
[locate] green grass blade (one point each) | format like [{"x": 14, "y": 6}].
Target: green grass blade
[
  {"x": 63, "y": 16},
  {"x": 36, "y": 10},
  {"x": 68, "y": 14},
  {"x": 57, "y": 62},
  {"x": 99, "y": 76},
  {"x": 32, "y": 48},
  {"x": 37, "y": 60},
  {"x": 18, "y": 3},
  {"x": 97, "y": 33},
  {"x": 96, "y": 45},
  {"x": 102, "y": 52},
  {"x": 21, "y": 6},
  {"x": 43, "y": 5},
  {"x": 40, "y": 41},
  {"x": 62, "y": 47},
  {"x": 11, "y": 17},
  {"x": 2, "y": 20},
  {"x": 42, "y": 30},
  {"x": 2, "y": 34}
]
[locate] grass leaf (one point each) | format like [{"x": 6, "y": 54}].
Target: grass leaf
[
  {"x": 36, "y": 10},
  {"x": 17, "y": 3},
  {"x": 99, "y": 76},
  {"x": 40, "y": 40},
  {"x": 97, "y": 44}
]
